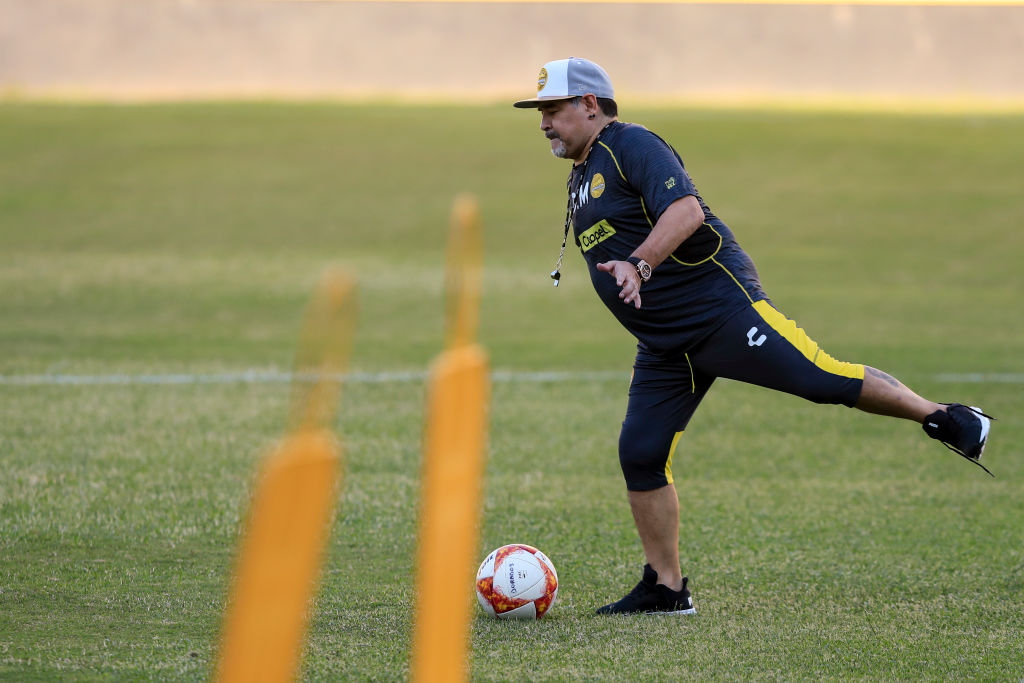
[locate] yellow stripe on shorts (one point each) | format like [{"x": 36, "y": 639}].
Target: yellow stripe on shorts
[
  {"x": 671, "y": 452},
  {"x": 804, "y": 344}
]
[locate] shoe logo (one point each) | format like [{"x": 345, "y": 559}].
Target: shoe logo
[{"x": 750, "y": 338}]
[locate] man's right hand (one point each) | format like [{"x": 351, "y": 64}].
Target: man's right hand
[{"x": 626, "y": 277}]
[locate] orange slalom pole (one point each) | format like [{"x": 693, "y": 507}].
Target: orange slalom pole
[
  {"x": 281, "y": 554},
  {"x": 463, "y": 274},
  {"x": 292, "y": 506},
  {"x": 453, "y": 467}
]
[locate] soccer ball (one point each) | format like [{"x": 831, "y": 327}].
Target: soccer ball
[{"x": 516, "y": 582}]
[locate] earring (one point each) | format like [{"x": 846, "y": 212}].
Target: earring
[{"x": 592, "y": 116}]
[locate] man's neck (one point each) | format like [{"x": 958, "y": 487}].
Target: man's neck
[{"x": 600, "y": 124}]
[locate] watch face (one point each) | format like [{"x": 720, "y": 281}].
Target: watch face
[{"x": 644, "y": 269}]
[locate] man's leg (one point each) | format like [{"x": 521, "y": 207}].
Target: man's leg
[
  {"x": 656, "y": 514},
  {"x": 883, "y": 394},
  {"x": 761, "y": 346},
  {"x": 663, "y": 395},
  {"x": 963, "y": 429}
]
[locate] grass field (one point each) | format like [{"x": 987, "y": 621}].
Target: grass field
[{"x": 152, "y": 255}]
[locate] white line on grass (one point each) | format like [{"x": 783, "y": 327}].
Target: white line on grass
[
  {"x": 982, "y": 378},
  {"x": 277, "y": 377}
]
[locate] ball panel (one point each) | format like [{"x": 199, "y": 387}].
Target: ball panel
[
  {"x": 518, "y": 575},
  {"x": 505, "y": 550},
  {"x": 486, "y": 569},
  {"x": 484, "y": 588},
  {"x": 547, "y": 600},
  {"x": 527, "y": 611},
  {"x": 548, "y": 563},
  {"x": 484, "y": 603},
  {"x": 498, "y": 602}
]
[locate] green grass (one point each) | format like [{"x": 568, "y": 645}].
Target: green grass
[{"x": 821, "y": 543}]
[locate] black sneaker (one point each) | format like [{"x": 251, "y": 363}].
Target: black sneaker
[
  {"x": 962, "y": 429},
  {"x": 651, "y": 597}
]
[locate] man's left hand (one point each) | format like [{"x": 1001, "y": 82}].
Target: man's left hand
[{"x": 626, "y": 277}]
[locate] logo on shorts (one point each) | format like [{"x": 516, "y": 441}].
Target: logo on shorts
[
  {"x": 597, "y": 185},
  {"x": 755, "y": 342},
  {"x": 542, "y": 79}
]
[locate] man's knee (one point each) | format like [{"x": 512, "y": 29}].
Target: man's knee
[{"x": 644, "y": 457}]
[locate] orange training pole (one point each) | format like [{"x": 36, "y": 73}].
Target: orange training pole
[
  {"x": 292, "y": 505},
  {"x": 453, "y": 464}
]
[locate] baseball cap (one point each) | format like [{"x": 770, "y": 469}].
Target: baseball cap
[{"x": 563, "y": 79}]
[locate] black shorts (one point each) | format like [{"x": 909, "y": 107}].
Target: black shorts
[{"x": 759, "y": 346}]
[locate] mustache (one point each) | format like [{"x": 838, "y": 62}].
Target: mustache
[{"x": 551, "y": 135}]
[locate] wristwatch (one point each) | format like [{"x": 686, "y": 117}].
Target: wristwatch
[{"x": 643, "y": 268}]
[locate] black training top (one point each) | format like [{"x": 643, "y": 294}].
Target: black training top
[{"x": 616, "y": 196}]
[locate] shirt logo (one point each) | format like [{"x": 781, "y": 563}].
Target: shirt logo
[
  {"x": 542, "y": 79},
  {"x": 580, "y": 197},
  {"x": 597, "y": 185},
  {"x": 595, "y": 235},
  {"x": 670, "y": 183}
]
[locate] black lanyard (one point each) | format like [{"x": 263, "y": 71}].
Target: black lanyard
[
  {"x": 556, "y": 274},
  {"x": 570, "y": 206}
]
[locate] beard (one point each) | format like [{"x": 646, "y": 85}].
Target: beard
[{"x": 558, "y": 148}]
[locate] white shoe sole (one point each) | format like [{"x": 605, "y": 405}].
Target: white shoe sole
[
  {"x": 985, "y": 425},
  {"x": 692, "y": 610}
]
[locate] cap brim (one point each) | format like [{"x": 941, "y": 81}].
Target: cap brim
[{"x": 535, "y": 102}]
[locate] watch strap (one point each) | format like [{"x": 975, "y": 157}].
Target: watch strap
[{"x": 640, "y": 266}]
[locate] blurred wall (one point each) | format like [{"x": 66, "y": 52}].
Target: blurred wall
[{"x": 211, "y": 48}]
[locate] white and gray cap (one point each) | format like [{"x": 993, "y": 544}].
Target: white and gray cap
[{"x": 563, "y": 79}]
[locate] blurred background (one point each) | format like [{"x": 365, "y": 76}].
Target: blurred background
[{"x": 487, "y": 50}]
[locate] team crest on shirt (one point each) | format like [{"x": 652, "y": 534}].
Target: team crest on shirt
[
  {"x": 542, "y": 79},
  {"x": 597, "y": 185},
  {"x": 670, "y": 183}
]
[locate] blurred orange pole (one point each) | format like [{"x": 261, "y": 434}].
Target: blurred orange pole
[
  {"x": 453, "y": 464},
  {"x": 280, "y": 560},
  {"x": 292, "y": 506}
]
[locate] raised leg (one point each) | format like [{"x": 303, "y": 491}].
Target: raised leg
[{"x": 883, "y": 394}]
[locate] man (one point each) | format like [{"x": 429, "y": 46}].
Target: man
[{"x": 673, "y": 275}]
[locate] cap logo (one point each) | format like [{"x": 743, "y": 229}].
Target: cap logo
[{"x": 542, "y": 79}]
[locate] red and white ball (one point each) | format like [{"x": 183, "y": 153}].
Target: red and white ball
[{"x": 516, "y": 581}]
